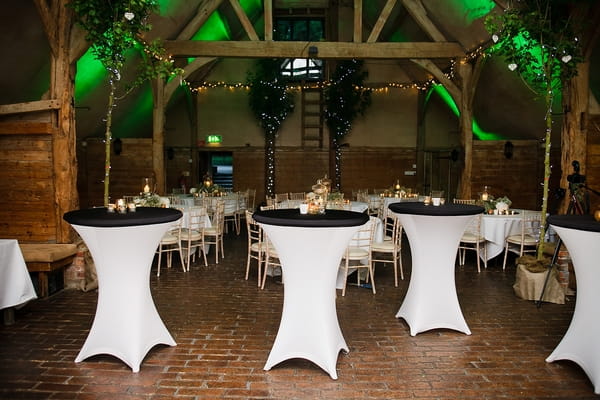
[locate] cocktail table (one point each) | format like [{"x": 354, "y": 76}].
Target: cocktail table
[
  {"x": 434, "y": 233},
  {"x": 581, "y": 344},
  {"x": 126, "y": 324},
  {"x": 310, "y": 248}
]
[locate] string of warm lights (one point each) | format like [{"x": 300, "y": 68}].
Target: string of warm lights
[{"x": 377, "y": 88}]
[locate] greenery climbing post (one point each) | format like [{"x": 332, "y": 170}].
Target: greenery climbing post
[
  {"x": 113, "y": 28},
  {"x": 538, "y": 41}
]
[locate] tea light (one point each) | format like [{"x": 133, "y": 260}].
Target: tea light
[
  {"x": 427, "y": 200},
  {"x": 111, "y": 208},
  {"x": 121, "y": 206},
  {"x": 131, "y": 207}
]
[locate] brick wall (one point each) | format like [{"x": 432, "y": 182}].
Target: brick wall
[{"x": 520, "y": 177}]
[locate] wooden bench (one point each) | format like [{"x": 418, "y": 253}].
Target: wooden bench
[{"x": 45, "y": 258}]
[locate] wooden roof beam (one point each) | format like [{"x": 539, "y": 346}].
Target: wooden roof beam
[
  {"x": 204, "y": 11},
  {"x": 383, "y": 17},
  {"x": 358, "y": 16},
  {"x": 418, "y": 12},
  {"x": 244, "y": 20},
  {"x": 268, "y": 12},
  {"x": 326, "y": 50}
]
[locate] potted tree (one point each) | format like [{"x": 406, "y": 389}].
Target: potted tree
[
  {"x": 112, "y": 29},
  {"x": 538, "y": 40}
]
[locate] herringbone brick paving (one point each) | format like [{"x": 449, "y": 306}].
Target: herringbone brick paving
[{"x": 224, "y": 327}]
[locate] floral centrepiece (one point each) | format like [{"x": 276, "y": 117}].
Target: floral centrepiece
[
  {"x": 502, "y": 204},
  {"x": 148, "y": 199}
]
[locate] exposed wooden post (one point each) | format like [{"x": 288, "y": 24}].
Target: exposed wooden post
[
  {"x": 268, "y": 10},
  {"x": 574, "y": 129},
  {"x": 158, "y": 135},
  {"x": 58, "y": 23},
  {"x": 358, "y": 12}
]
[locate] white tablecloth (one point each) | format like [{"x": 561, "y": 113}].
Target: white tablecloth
[
  {"x": 358, "y": 206},
  {"x": 16, "y": 287},
  {"x": 496, "y": 228}
]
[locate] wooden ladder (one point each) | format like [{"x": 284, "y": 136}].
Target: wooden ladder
[{"x": 312, "y": 117}]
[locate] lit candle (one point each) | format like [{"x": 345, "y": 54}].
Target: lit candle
[
  {"x": 484, "y": 196},
  {"x": 146, "y": 188}
]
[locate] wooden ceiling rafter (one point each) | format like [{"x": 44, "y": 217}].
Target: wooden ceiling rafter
[
  {"x": 419, "y": 14},
  {"x": 188, "y": 70},
  {"x": 268, "y": 13},
  {"x": 49, "y": 16},
  {"x": 383, "y": 17},
  {"x": 256, "y": 48},
  {"x": 204, "y": 12},
  {"x": 326, "y": 50},
  {"x": 358, "y": 17},
  {"x": 244, "y": 20}
]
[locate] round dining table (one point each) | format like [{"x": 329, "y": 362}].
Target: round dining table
[
  {"x": 581, "y": 236},
  {"x": 126, "y": 324},
  {"x": 433, "y": 233},
  {"x": 496, "y": 228},
  {"x": 16, "y": 287},
  {"x": 310, "y": 248}
]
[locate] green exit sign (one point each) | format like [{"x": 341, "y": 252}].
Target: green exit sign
[{"x": 213, "y": 139}]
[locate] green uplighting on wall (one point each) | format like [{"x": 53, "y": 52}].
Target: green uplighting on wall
[
  {"x": 139, "y": 115},
  {"x": 441, "y": 91},
  {"x": 90, "y": 75},
  {"x": 213, "y": 29},
  {"x": 472, "y": 10}
]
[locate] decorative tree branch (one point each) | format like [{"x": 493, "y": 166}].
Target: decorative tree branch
[
  {"x": 537, "y": 39},
  {"x": 112, "y": 28}
]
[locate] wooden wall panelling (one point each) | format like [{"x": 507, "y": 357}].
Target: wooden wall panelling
[{"x": 27, "y": 188}]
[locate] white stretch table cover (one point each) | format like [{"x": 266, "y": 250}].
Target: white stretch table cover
[
  {"x": 496, "y": 228},
  {"x": 126, "y": 324},
  {"x": 16, "y": 287},
  {"x": 431, "y": 301},
  {"x": 310, "y": 258},
  {"x": 581, "y": 343}
]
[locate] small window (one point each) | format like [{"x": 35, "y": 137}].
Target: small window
[{"x": 303, "y": 29}]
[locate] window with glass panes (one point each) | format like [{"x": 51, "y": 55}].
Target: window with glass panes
[{"x": 303, "y": 29}]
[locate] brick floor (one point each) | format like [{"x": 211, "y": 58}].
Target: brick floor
[{"x": 224, "y": 327}]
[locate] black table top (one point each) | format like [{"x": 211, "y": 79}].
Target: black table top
[
  {"x": 418, "y": 208},
  {"x": 99, "y": 217},
  {"x": 292, "y": 217},
  {"x": 579, "y": 222}
]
